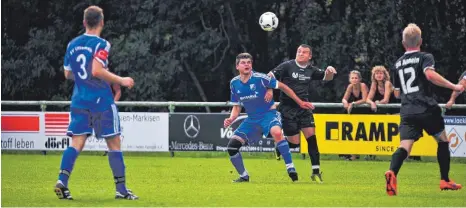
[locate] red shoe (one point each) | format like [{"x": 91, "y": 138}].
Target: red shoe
[
  {"x": 449, "y": 185},
  {"x": 390, "y": 179}
]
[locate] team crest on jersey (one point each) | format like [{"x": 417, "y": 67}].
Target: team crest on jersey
[
  {"x": 252, "y": 86},
  {"x": 295, "y": 75}
]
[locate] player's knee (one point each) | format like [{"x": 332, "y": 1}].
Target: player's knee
[
  {"x": 233, "y": 146},
  {"x": 78, "y": 142},
  {"x": 441, "y": 137},
  {"x": 293, "y": 145},
  {"x": 293, "y": 139},
  {"x": 114, "y": 143}
]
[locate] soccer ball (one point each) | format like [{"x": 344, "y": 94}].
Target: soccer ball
[{"x": 268, "y": 21}]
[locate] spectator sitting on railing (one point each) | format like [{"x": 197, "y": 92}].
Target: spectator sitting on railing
[
  {"x": 381, "y": 89},
  {"x": 356, "y": 93}
]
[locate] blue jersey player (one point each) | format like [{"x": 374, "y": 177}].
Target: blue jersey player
[
  {"x": 92, "y": 105},
  {"x": 248, "y": 89}
]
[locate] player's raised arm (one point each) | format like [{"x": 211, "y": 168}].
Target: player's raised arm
[
  {"x": 438, "y": 80},
  {"x": 434, "y": 77},
  {"x": 99, "y": 65},
  {"x": 325, "y": 75},
  {"x": 455, "y": 94}
]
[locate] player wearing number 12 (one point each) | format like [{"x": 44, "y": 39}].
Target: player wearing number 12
[
  {"x": 414, "y": 73},
  {"x": 92, "y": 106}
]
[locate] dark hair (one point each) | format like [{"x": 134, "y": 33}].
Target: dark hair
[
  {"x": 243, "y": 56},
  {"x": 93, "y": 15},
  {"x": 306, "y": 46}
]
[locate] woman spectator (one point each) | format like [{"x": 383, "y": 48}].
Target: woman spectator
[
  {"x": 356, "y": 94},
  {"x": 381, "y": 89}
]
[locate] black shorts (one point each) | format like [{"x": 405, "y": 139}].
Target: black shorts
[
  {"x": 295, "y": 118},
  {"x": 431, "y": 121}
]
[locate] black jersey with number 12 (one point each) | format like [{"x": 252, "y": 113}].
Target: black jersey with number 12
[{"x": 408, "y": 77}]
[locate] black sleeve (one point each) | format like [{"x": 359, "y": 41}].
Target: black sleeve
[
  {"x": 395, "y": 79},
  {"x": 280, "y": 71},
  {"x": 318, "y": 74},
  {"x": 428, "y": 62}
]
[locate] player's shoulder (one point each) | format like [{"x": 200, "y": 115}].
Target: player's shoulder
[
  {"x": 96, "y": 41},
  {"x": 287, "y": 64},
  {"x": 260, "y": 75},
  {"x": 234, "y": 80}
]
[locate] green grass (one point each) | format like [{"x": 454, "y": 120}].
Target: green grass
[{"x": 27, "y": 180}]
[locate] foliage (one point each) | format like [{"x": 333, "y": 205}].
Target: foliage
[{"x": 185, "y": 50}]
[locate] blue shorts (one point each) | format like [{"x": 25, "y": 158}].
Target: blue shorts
[
  {"x": 105, "y": 124},
  {"x": 252, "y": 129}
]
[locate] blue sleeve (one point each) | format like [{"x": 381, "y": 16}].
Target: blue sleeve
[
  {"x": 233, "y": 96},
  {"x": 66, "y": 62},
  {"x": 269, "y": 82},
  {"x": 101, "y": 52}
]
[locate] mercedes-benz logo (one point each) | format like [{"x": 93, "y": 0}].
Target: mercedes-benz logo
[{"x": 192, "y": 126}]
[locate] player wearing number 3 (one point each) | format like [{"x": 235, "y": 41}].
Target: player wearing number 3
[
  {"x": 414, "y": 72},
  {"x": 92, "y": 105}
]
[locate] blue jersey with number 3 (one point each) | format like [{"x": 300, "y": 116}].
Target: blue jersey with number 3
[{"x": 89, "y": 92}]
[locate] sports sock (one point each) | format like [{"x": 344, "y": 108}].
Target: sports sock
[
  {"x": 67, "y": 164},
  {"x": 285, "y": 151},
  {"x": 397, "y": 159},
  {"x": 115, "y": 158}
]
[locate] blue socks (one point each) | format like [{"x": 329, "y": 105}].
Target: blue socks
[
  {"x": 115, "y": 158},
  {"x": 237, "y": 161},
  {"x": 67, "y": 163},
  {"x": 284, "y": 150}
]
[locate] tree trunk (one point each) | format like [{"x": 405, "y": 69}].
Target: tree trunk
[{"x": 197, "y": 84}]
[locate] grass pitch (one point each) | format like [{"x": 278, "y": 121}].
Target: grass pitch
[{"x": 28, "y": 180}]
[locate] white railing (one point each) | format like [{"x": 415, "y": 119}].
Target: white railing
[{"x": 172, "y": 104}]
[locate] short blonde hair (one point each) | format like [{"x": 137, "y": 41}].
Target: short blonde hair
[
  {"x": 357, "y": 73},
  {"x": 380, "y": 69},
  {"x": 412, "y": 35}
]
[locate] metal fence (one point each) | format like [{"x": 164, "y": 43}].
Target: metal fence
[{"x": 172, "y": 104}]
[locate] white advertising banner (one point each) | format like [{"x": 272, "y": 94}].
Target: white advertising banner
[
  {"x": 455, "y": 127},
  {"x": 141, "y": 132}
]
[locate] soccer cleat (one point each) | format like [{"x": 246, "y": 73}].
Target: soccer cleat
[
  {"x": 293, "y": 175},
  {"x": 390, "y": 179},
  {"x": 129, "y": 196},
  {"x": 317, "y": 177},
  {"x": 241, "y": 180},
  {"x": 451, "y": 185},
  {"x": 62, "y": 192},
  {"x": 277, "y": 154}
]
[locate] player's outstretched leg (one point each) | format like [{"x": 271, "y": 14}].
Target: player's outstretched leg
[
  {"x": 67, "y": 163},
  {"x": 314, "y": 155},
  {"x": 290, "y": 144},
  {"x": 115, "y": 159},
  {"x": 443, "y": 158},
  {"x": 397, "y": 161},
  {"x": 284, "y": 149},
  {"x": 237, "y": 160}
]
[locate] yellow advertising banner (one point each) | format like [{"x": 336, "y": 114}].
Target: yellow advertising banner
[{"x": 363, "y": 134}]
